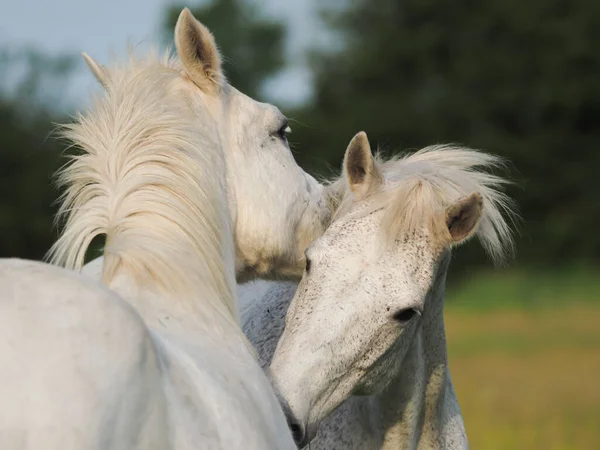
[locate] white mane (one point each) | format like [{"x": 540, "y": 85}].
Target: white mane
[
  {"x": 419, "y": 186},
  {"x": 151, "y": 178}
]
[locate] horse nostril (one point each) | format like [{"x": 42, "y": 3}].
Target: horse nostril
[{"x": 297, "y": 430}]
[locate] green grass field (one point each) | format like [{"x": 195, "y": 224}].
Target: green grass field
[{"x": 524, "y": 353}]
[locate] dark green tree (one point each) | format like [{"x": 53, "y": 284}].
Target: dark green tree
[
  {"x": 519, "y": 79},
  {"x": 29, "y": 155},
  {"x": 250, "y": 44}
]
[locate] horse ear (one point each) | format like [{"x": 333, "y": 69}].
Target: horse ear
[
  {"x": 463, "y": 217},
  {"x": 99, "y": 72},
  {"x": 360, "y": 169},
  {"x": 198, "y": 52}
]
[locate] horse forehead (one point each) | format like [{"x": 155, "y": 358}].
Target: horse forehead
[
  {"x": 245, "y": 106},
  {"x": 410, "y": 256},
  {"x": 358, "y": 235},
  {"x": 354, "y": 227},
  {"x": 408, "y": 267}
]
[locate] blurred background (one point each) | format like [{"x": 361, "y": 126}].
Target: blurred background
[{"x": 515, "y": 78}]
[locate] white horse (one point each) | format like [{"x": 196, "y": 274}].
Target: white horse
[
  {"x": 362, "y": 362},
  {"x": 192, "y": 183}
]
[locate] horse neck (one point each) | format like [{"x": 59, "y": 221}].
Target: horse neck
[
  {"x": 179, "y": 277},
  {"x": 199, "y": 305},
  {"x": 419, "y": 408},
  {"x": 152, "y": 179}
]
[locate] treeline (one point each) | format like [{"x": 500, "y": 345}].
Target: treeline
[
  {"x": 30, "y": 107},
  {"x": 518, "y": 79}
]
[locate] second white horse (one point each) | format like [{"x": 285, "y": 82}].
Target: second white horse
[{"x": 362, "y": 363}]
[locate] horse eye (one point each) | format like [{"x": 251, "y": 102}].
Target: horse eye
[
  {"x": 284, "y": 130},
  {"x": 405, "y": 315},
  {"x": 307, "y": 264}
]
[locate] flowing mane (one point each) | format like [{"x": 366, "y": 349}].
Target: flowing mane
[
  {"x": 418, "y": 186},
  {"x": 151, "y": 179}
]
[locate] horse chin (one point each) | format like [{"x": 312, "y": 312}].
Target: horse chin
[
  {"x": 312, "y": 223},
  {"x": 311, "y": 433}
]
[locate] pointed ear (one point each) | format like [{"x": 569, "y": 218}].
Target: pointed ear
[
  {"x": 198, "y": 52},
  {"x": 360, "y": 169},
  {"x": 99, "y": 72},
  {"x": 463, "y": 217}
]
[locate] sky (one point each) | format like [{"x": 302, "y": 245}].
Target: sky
[{"x": 102, "y": 28}]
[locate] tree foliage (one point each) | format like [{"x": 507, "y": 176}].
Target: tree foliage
[
  {"x": 28, "y": 153},
  {"x": 515, "y": 78}
]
